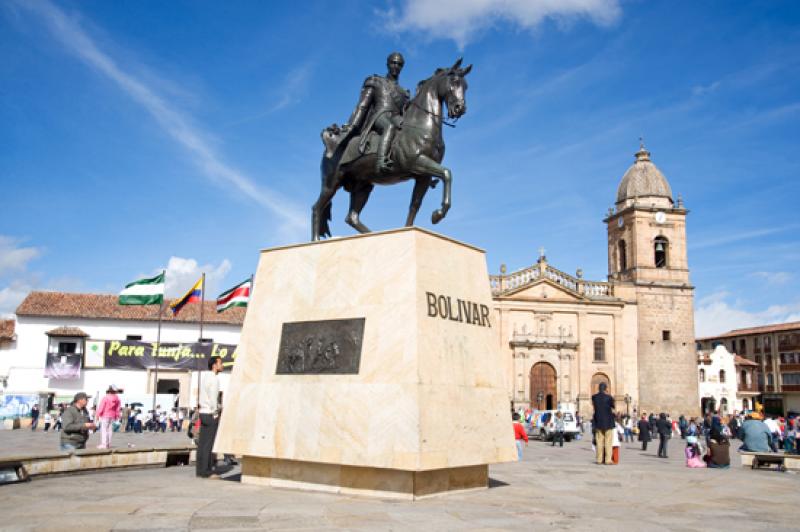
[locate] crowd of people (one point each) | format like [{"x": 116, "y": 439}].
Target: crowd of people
[{"x": 706, "y": 440}]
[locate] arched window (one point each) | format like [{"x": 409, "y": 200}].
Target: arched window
[
  {"x": 702, "y": 375},
  {"x": 661, "y": 248},
  {"x": 623, "y": 256},
  {"x": 723, "y": 406},
  {"x": 599, "y": 350},
  {"x": 722, "y": 375},
  {"x": 597, "y": 378}
]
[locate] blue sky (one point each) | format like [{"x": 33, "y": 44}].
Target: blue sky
[{"x": 185, "y": 135}]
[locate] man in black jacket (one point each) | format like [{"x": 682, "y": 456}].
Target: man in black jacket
[
  {"x": 664, "y": 429},
  {"x": 603, "y": 424}
]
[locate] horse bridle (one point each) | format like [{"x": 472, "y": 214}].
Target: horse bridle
[{"x": 444, "y": 120}]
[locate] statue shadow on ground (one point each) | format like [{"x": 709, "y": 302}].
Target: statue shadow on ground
[{"x": 494, "y": 483}]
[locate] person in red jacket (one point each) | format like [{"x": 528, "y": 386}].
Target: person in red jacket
[{"x": 519, "y": 434}]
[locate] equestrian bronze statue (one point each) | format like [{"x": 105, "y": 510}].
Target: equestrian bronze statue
[{"x": 389, "y": 139}]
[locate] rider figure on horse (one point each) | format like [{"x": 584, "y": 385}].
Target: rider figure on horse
[{"x": 380, "y": 109}]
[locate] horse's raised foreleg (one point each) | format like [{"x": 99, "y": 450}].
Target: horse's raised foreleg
[
  {"x": 429, "y": 166},
  {"x": 358, "y": 198},
  {"x": 420, "y": 188}
]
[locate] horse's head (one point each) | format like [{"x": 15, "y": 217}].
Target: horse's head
[{"x": 452, "y": 88}]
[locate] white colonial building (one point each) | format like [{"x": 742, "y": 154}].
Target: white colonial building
[
  {"x": 61, "y": 343},
  {"x": 717, "y": 378}
]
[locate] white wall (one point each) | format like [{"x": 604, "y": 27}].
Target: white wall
[
  {"x": 24, "y": 363},
  {"x": 721, "y": 359}
]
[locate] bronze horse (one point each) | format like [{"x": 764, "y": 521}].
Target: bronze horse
[{"x": 417, "y": 152}]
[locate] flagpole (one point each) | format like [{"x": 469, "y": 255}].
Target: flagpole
[
  {"x": 158, "y": 346},
  {"x": 199, "y": 340}
]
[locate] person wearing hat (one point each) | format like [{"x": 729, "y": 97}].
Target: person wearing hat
[
  {"x": 76, "y": 424},
  {"x": 108, "y": 412}
]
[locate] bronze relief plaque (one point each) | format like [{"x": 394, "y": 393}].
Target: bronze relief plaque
[{"x": 321, "y": 347}]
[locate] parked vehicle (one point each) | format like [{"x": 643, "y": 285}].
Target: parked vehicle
[{"x": 542, "y": 424}]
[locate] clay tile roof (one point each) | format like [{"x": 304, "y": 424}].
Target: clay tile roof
[
  {"x": 66, "y": 331},
  {"x": 741, "y": 361},
  {"x": 6, "y": 330},
  {"x": 776, "y": 327},
  {"x": 103, "y": 306}
]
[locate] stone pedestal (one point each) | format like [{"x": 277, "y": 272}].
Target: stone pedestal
[{"x": 369, "y": 365}]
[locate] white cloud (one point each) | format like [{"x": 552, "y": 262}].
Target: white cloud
[
  {"x": 714, "y": 314},
  {"x": 739, "y": 236},
  {"x": 12, "y": 295},
  {"x": 702, "y": 90},
  {"x": 774, "y": 278},
  {"x": 183, "y": 273},
  {"x": 14, "y": 259},
  {"x": 460, "y": 20},
  {"x": 13, "y": 256},
  {"x": 294, "y": 87},
  {"x": 176, "y": 124}
]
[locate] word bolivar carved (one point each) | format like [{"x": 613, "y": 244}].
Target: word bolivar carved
[{"x": 459, "y": 310}]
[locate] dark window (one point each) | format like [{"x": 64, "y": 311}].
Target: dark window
[
  {"x": 767, "y": 343},
  {"x": 661, "y": 248},
  {"x": 790, "y": 378},
  {"x": 599, "y": 349},
  {"x": 733, "y": 346},
  {"x": 758, "y": 359},
  {"x": 134, "y": 337},
  {"x": 702, "y": 375},
  {"x": 665, "y": 335},
  {"x": 742, "y": 347},
  {"x": 623, "y": 256},
  {"x": 770, "y": 379},
  {"x": 769, "y": 360},
  {"x": 760, "y": 379},
  {"x": 67, "y": 347},
  {"x": 722, "y": 375},
  {"x": 743, "y": 378}
]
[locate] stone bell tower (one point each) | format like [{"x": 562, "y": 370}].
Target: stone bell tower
[{"x": 647, "y": 263}]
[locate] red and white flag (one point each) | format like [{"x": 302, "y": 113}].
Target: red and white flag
[{"x": 238, "y": 296}]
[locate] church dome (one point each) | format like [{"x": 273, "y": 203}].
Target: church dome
[{"x": 643, "y": 180}]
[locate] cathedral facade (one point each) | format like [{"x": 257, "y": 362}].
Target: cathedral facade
[{"x": 563, "y": 335}]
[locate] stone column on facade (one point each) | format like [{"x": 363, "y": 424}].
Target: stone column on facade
[
  {"x": 563, "y": 381},
  {"x": 619, "y": 370}
]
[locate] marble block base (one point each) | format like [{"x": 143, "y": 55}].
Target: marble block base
[
  {"x": 363, "y": 481},
  {"x": 370, "y": 361}
]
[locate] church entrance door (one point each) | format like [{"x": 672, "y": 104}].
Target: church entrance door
[{"x": 544, "y": 390}]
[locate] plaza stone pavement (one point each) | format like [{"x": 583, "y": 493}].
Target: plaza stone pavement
[
  {"x": 27, "y": 442},
  {"x": 551, "y": 488}
]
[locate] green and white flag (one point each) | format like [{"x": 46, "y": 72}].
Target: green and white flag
[{"x": 144, "y": 292}]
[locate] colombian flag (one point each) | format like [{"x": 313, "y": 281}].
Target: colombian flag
[{"x": 194, "y": 295}]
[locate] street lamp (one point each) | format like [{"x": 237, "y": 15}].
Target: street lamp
[{"x": 539, "y": 397}]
